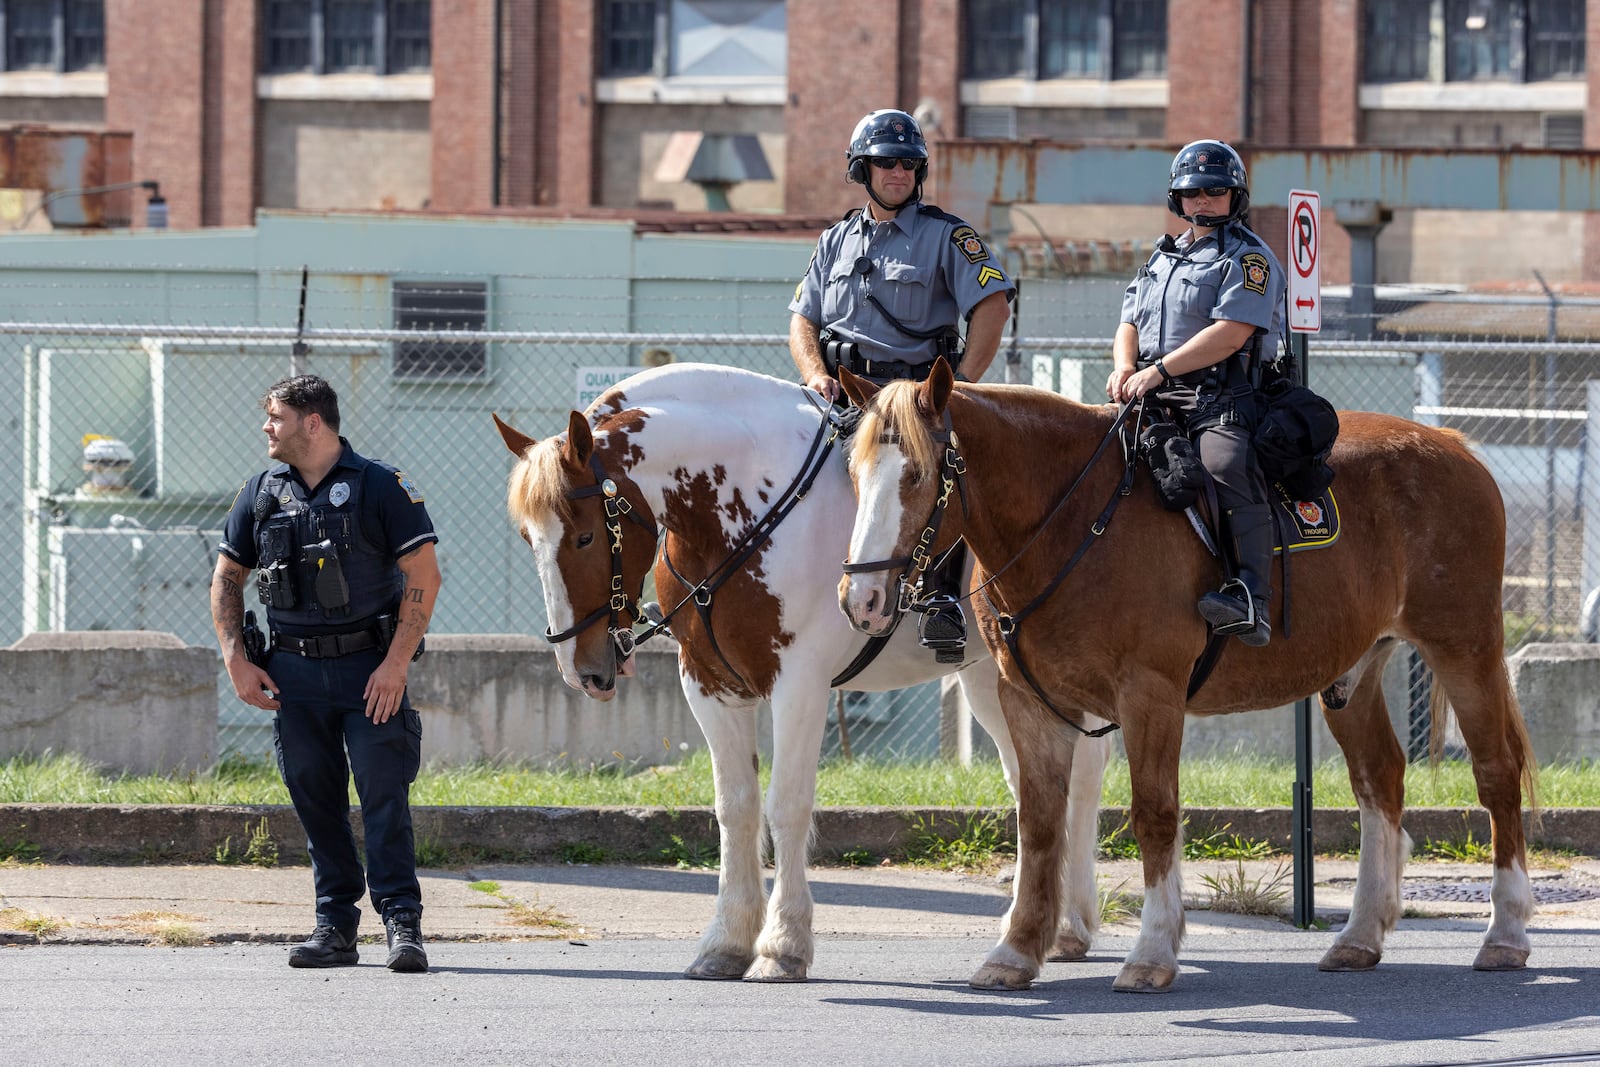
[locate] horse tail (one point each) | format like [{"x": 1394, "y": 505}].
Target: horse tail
[{"x": 1517, "y": 739}]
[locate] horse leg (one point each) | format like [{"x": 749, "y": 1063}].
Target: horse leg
[
  {"x": 1491, "y": 726},
  {"x": 728, "y": 944},
  {"x": 799, "y": 715},
  {"x": 1044, "y": 757},
  {"x": 1154, "y": 741},
  {"x": 1081, "y": 898},
  {"x": 1377, "y": 769}
]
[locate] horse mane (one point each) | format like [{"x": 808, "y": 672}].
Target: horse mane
[
  {"x": 539, "y": 483},
  {"x": 893, "y": 416}
]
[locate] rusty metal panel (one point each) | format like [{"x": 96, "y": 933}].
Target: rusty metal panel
[
  {"x": 58, "y": 160},
  {"x": 973, "y": 174}
]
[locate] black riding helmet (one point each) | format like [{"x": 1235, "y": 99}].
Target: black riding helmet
[
  {"x": 1209, "y": 165},
  {"x": 886, "y": 134}
]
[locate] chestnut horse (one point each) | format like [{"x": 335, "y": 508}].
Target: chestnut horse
[
  {"x": 706, "y": 455},
  {"x": 1419, "y": 559}
]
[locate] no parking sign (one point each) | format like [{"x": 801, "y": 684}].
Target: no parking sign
[{"x": 1305, "y": 277}]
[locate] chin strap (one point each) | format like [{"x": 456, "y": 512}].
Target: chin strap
[{"x": 916, "y": 194}]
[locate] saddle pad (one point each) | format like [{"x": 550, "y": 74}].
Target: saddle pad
[{"x": 1311, "y": 523}]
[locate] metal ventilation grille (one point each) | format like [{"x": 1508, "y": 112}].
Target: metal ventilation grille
[
  {"x": 992, "y": 123},
  {"x": 1563, "y": 130}
]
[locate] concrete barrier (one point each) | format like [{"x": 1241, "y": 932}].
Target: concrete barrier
[
  {"x": 1558, "y": 686},
  {"x": 134, "y": 701},
  {"x": 492, "y": 696}
]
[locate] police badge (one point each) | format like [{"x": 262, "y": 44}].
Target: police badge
[{"x": 338, "y": 494}]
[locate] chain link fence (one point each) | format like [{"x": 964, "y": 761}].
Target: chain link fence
[{"x": 136, "y": 431}]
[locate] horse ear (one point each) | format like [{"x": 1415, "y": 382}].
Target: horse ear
[
  {"x": 517, "y": 441},
  {"x": 857, "y": 388},
  {"x": 580, "y": 440},
  {"x": 934, "y": 393}
]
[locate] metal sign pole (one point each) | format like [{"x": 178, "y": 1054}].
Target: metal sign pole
[{"x": 1305, "y": 907}]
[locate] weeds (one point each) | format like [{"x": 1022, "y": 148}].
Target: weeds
[
  {"x": 981, "y": 838},
  {"x": 260, "y": 850},
  {"x": 18, "y": 851},
  {"x": 691, "y": 856},
  {"x": 169, "y": 928},
  {"x": 522, "y": 914},
  {"x": 580, "y": 853},
  {"x": 1237, "y": 893},
  {"x": 1217, "y": 845},
  {"x": 1117, "y": 904},
  {"x": 1467, "y": 850},
  {"x": 856, "y": 857},
  {"x": 40, "y": 926}
]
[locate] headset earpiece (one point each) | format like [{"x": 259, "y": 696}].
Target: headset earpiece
[
  {"x": 922, "y": 172},
  {"x": 857, "y": 171}
]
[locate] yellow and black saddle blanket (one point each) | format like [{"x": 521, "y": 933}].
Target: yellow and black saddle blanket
[{"x": 1306, "y": 524}]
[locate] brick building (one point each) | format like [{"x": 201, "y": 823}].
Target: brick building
[{"x": 571, "y": 104}]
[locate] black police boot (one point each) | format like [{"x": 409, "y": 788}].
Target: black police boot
[
  {"x": 326, "y": 947},
  {"x": 1241, "y": 608},
  {"x": 943, "y": 627},
  {"x": 405, "y": 942}
]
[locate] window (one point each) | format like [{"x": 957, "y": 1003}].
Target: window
[
  {"x": 57, "y": 35},
  {"x": 1036, "y": 39},
  {"x": 345, "y": 36},
  {"x": 1483, "y": 40},
  {"x": 440, "y": 306},
  {"x": 693, "y": 38}
]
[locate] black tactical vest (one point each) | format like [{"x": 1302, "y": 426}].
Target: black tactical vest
[{"x": 318, "y": 572}]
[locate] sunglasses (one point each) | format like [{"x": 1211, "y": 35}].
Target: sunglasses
[
  {"x": 1212, "y": 191},
  {"x": 888, "y": 163}
]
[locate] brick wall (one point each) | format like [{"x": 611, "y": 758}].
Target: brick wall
[
  {"x": 1206, "y": 71},
  {"x": 155, "y": 88},
  {"x": 462, "y": 116}
]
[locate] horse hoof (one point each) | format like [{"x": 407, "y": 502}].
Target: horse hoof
[
  {"x": 1500, "y": 958},
  {"x": 1069, "y": 948},
  {"x": 1001, "y": 976},
  {"x": 1144, "y": 978},
  {"x": 1349, "y": 958},
  {"x": 718, "y": 968},
  {"x": 777, "y": 969}
]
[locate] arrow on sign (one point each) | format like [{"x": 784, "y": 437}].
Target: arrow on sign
[{"x": 1304, "y": 302}]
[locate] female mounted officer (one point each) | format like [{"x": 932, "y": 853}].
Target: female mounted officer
[{"x": 1197, "y": 322}]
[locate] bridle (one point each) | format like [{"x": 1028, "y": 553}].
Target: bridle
[
  {"x": 617, "y": 507},
  {"x": 909, "y": 582}
]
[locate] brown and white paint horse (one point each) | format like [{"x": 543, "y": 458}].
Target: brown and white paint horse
[
  {"x": 702, "y": 453},
  {"x": 1419, "y": 559}
]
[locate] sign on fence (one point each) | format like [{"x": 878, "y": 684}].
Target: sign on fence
[
  {"x": 1305, "y": 279},
  {"x": 592, "y": 381}
]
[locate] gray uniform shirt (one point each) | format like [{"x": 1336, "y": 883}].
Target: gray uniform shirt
[
  {"x": 1182, "y": 290},
  {"x": 929, "y": 268}
]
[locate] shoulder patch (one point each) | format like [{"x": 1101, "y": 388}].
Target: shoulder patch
[
  {"x": 412, "y": 492},
  {"x": 1257, "y": 272},
  {"x": 967, "y": 242}
]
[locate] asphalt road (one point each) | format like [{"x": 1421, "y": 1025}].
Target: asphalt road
[{"x": 1251, "y": 996}]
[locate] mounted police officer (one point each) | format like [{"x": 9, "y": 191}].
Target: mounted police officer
[
  {"x": 1197, "y": 323},
  {"x": 885, "y": 291},
  {"x": 343, "y": 553}
]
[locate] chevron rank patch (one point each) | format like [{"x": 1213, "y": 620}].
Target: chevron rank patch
[
  {"x": 1256, "y": 272},
  {"x": 987, "y": 275},
  {"x": 967, "y": 242}
]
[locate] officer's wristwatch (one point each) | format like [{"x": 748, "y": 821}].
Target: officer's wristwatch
[{"x": 1161, "y": 365}]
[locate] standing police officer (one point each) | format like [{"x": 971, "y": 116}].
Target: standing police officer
[
  {"x": 884, "y": 292},
  {"x": 1197, "y": 323},
  {"x": 343, "y": 550}
]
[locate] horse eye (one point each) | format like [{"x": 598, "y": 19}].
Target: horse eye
[{"x": 585, "y": 539}]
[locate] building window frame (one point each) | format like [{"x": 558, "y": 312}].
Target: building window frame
[
  {"x": 1441, "y": 41},
  {"x": 58, "y": 36},
  {"x": 346, "y": 36},
  {"x": 638, "y": 38},
  {"x": 1046, "y": 40},
  {"x": 440, "y": 304}
]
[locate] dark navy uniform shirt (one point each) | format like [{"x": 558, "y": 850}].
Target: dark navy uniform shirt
[
  {"x": 373, "y": 513},
  {"x": 928, "y": 267},
  {"x": 1230, "y": 274}
]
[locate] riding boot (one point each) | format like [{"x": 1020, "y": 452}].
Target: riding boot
[
  {"x": 943, "y": 628},
  {"x": 1242, "y": 607}
]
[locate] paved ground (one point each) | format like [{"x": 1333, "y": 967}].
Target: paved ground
[{"x": 53, "y": 903}]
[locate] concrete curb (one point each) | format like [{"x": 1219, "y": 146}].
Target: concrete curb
[{"x": 100, "y": 833}]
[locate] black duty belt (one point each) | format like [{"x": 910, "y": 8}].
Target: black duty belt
[
  {"x": 326, "y": 646},
  {"x": 889, "y": 368}
]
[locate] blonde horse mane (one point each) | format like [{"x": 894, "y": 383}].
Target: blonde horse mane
[
  {"x": 893, "y": 416},
  {"x": 539, "y": 484}
]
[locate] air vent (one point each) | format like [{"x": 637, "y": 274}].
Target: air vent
[
  {"x": 992, "y": 123},
  {"x": 1564, "y": 130}
]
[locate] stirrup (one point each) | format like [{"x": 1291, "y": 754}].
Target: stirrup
[
  {"x": 943, "y": 628},
  {"x": 1222, "y": 609}
]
